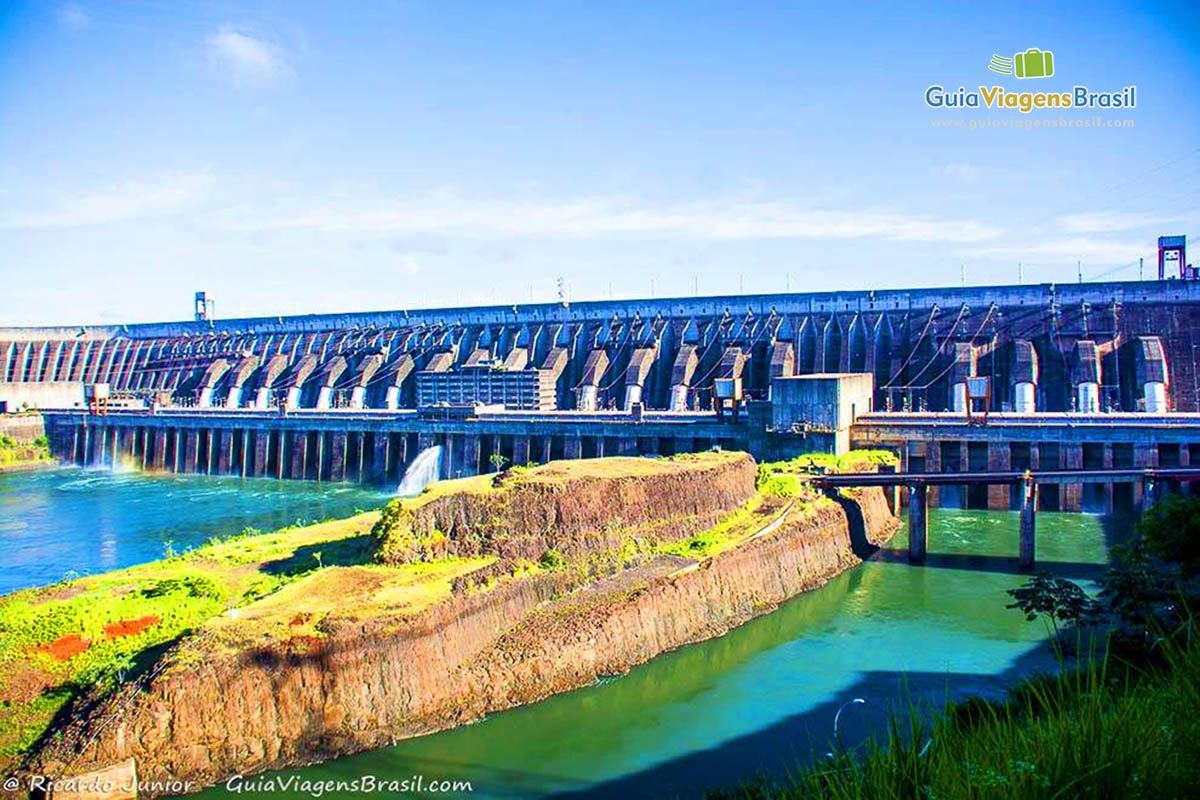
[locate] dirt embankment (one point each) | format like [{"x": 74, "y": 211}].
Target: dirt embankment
[
  {"x": 210, "y": 714},
  {"x": 577, "y": 508}
]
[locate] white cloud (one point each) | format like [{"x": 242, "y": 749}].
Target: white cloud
[
  {"x": 247, "y": 61},
  {"x": 131, "y": 199},
  {"x": 732, "y": 219},
  {"x": 72, "y": 16}
]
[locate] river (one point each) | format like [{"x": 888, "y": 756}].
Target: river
[{"x": 759, "y": 698}]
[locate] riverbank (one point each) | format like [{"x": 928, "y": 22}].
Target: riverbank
[
  {"x": 1101, "y": 730},
  {"x": 17, "y": 455},
  {"x": 350, "y": 654}
]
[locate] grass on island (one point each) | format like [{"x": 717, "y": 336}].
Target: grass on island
[{"x": 60, "y": 640}]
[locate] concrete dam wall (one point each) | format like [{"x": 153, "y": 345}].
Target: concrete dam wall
[{"x": 1087, "y": 347}]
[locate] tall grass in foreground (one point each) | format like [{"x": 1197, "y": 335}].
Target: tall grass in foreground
[{"x": 1103, "y": 730}]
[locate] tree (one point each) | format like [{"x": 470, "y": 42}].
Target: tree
[
  {"x": 498, "y": 461},
  {"x": 1171, "y": 531},
  {"x": 1057, "y": 599}
]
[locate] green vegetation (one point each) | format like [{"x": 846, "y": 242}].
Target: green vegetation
[
  {"x": 789, "y": 478},
  {"x": 1126, "y": 724},
  {"x": 1103, "y": 730},
  {"x": 11, "y": 452},
  {"x": 59, "y": 641}
]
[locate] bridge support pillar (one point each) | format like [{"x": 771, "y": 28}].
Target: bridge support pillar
[
  {"x": 1151, "y": 489},
  {"x": 1071, "y": 494},
  {"x": 918, "y": 522},
  {"x": 1029, "y": 492},
  {"x": 999, "y": 459}
]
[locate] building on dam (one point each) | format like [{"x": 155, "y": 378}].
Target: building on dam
[{"x": 1076, "y": 376}]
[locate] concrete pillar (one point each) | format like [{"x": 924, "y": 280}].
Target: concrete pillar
[
  {"x": 1025, "y": 398},
  {"x": 679, "y": 398},
  {"x": 588, "y": 398},
  {"x": 357, "y": 396},
  {"x": 191, "y": 450},
  {"x": 933, "y": 463},
  {"x": 205, "y": 400},
  {"x": 1071, "y": 494},
  {"x": 159, "y": 462},
  {"x": 262, "y": 398},
  {"x": 323, "y": 397},
  {"x": 918, "y": 523},
  {"x": 1028, "y": 489},
  {"x": 1107, "y": 488},
  {"x": 224, "y": 459},
  {"x": 472, "y": 453},
  {"x": 299, "y": 454},
  {"x": 1087, "y": 398},
  {"x": 451, "y": 454},
  {"x": 262, "y": 441},
  {"x": 1155, "y": 393},
  {"x": 520, "y": 451},
  {"x": 96, "y": 446},
  {"x": 627, "y": 446},
  {"x": 337, "y": 456},
  {"x": 392, "y": 400},
  {"x": 958, "y": 397},
  {"x": 1151, "y": 493},
  {"x": 572, "y": 447},
  {"x": 293, "y": 398},
  {"x": 1000, "y": 460},
  {"x": 1145, "y": 456},
  {"x": 379, "y": 458},
  {"x": 320, "y": 459}
]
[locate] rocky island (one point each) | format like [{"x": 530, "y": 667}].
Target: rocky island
[{"x": 270, "y": 650}]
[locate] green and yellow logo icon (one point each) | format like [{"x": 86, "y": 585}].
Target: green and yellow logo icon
[{"x": 1033, "y": 63}]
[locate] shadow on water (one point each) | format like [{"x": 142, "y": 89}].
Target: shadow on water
[
  {"x": 790, "y": 743},
  {"x": 1006, "y": 565}
]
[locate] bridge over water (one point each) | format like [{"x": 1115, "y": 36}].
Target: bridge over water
[{"x": 1025, "y": 483}]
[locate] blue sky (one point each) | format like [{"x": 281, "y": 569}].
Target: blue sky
[{"x": 301, "y": 157}]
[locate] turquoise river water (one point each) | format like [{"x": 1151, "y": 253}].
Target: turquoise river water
[{"x": 760, "y": 698}]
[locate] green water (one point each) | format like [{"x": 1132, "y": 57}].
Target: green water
[{"x": 763, "y": 696}]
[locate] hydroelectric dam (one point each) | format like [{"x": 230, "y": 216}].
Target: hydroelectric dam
[{"x": 1076, "y": 377}]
